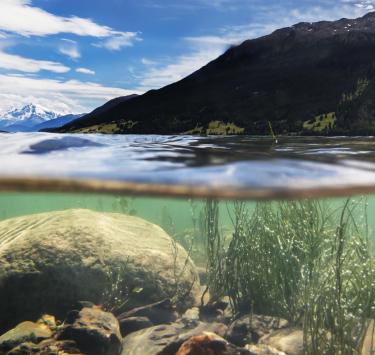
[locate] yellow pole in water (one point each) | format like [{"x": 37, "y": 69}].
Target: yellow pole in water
[{"x": 272, "y": 132}]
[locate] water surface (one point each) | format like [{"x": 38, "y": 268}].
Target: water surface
[{"x": 240, "y": 162}]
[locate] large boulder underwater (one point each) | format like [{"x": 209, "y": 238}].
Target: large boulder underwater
[{"x": 51, "y": 261}]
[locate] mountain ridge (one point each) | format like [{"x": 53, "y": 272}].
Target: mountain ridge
[
  {"x": 57, "y": 122},
  {"x": 33, "y": 117},
  {"x": 314, "y": 78}
]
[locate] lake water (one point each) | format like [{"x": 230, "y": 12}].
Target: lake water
[
  {"x": 283, "y": 228},
  {"x": 231, "y": 162}
]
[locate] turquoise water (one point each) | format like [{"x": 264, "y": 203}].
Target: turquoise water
[{"x": 153, "y": 209}]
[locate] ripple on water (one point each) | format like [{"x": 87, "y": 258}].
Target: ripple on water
[{"x": 231, "y": 162}]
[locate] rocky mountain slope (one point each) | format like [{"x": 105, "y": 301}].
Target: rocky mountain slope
[{"x": 315, "y": 78}]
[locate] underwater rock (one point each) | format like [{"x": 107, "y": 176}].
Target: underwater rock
[
  {"x": 289, "y": 340},
  {"x": 262, "y": 349},
  {"x": 47, "y": 347},
  {"x": 147, "y": 316},
  {"x": 250, "y": 328},
  {"x": 219, "y": 311},
  {"x": 191, "y": 316},
  {"x": 24, "y": 332},
  {"x": 25, "y": 349},
  {"x": 95, "y": 332},
  {"x": 48, "y": 320},
  {"x": 165, "y": 339},
  {"x": 133, "y": 324},
  {"x": 50, "y": 261},
  {"x": 83, "y": 304},
  {"x": 63, "y": 347},
  {"x": 158, "y": 312},
  {"x": 210, "y": 344},
  {"x": 369, "y": 340}
]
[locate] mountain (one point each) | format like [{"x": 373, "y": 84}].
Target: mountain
[
  {"x": 313, "y": 78},
  {"x": 23, "y": 119},
  {"x": 56, "y": 122},
  {"x": 32, "y": 118},
  {"x": 99, "y": 111},
  {"x": 112, "y": 103}
]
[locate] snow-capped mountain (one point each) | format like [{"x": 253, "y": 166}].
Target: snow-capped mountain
[{"x": 29, "y": 118}]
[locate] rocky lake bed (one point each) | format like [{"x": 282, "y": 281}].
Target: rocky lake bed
[
  {"x": 84, "y": 282},
  {"x": 78, "y": 281}
]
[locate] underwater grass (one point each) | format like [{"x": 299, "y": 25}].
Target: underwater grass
[{"x": 301, "y": 260}]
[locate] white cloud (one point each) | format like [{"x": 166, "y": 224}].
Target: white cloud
[
  {"x": 85, "y": 71},
  {"x": 193, "y": 5},
  {"x": 119, "y": 40},
  {"x": 18, "y": 16},
  {"x": 182, "y": 66},
  {"x": 70, "y": 49},
  {"x": 59, "y": 95},
  {"x": 16, "y": 62},
  {"x": 146, "y": 61},
  {"x": 203, "y": 49},
  {"x": 368, "y": 5}
]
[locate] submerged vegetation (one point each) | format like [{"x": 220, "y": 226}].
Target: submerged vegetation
[
  {"x": 310, "y": 262},
  {"x": 307, "y": 261},
  {"x": 303, "y": 261}
]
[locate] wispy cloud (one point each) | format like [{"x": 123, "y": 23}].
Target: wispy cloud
[
  {"x": 205, "y": 48},
  {"x": 16, "y": 62},
  {"x": 20, "y": 17},
  {"x": 246, "y": 5},
  {"x": 119, "y": 40},
  {"x": 70, "y": 49},
  {"x": 85, "y": 71},
  {"x": 158, "y": 76},
  {"x": 368, "y": 5},
  {"x": 146, "y": 61},
  {"x": 59, "y": 95},
  {"x": 221, "y": 5}
]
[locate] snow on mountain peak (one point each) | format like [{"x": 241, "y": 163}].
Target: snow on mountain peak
[
  {"x": 24, "y": 119},
  {"x": 31, "y": 112}
]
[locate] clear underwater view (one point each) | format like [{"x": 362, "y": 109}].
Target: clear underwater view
[{"x": 267, "y": 273}]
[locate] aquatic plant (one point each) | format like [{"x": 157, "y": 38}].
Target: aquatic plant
[
  {"x": 340, "y": 298},
  {"x": 180, "y": 294},
  {"x": 117, "y": 292},
  {"x": 300, "y": 260},
  {"x": 191, "y": 238},
  {"x": 198, "y": 220},
  {"x": 214, "y": 250},
  {"x": 124, "y": 205},
  {"x": 167, "y": 222}
]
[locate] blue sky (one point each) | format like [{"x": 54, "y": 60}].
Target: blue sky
[{"x": 73, "y": 55}]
